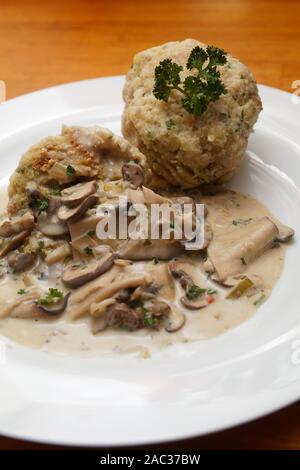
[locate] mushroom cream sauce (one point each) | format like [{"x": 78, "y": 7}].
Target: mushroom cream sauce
[{"x": 226, "y": 211}]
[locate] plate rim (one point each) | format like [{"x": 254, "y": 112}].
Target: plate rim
[{"x": 17, "y": 101}]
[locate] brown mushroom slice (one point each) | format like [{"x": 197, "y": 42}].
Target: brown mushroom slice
[
  {"x": 133, "y": 173},
  {"x": 98, "y": 324},
  {"x": 100, "y": 307},
  {"x": 21, "y": 262},
  {"x": 13, "y": 242},
  {"x": 56, "y": 308},
  {"x": 59, "y": 254},
  {"x": 179, "y": 270},
  {"x": 146, "y": 196},
  {"x": 160, "y": 277},
  {"x": 16, "y": 225},
  {"x": 231, "y": 252},
  {"x": 51, "y": 226},
  {"x": 82, "y": 299},
  {"x": 76, "y": 276},
  {"x": 24, "y": 306},
  {"x": 175, "y": 320},
  {"x": 121, "y": 315},
  {"x": 194, "y": 304},
  {"x": 285, "y": 233},
  {"x": 126, "y": 283},
  {"x": 72, "y": 214},
  {"x": 76, "y": 194},
  {"x": 138, "y": 250}
]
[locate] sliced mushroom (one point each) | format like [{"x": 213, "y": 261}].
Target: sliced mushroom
[
  {"x": 285, "y": 233},
  {"x": 60, "y": 253},
  {"x": 194, "y": 304},
  {"x": 34, "y": 198},
  {"x": 100, "y": 307},
  {"x": 17, "y": 225},
  {"x": 133, "y": 173},
  {"x": 72, "y": 214},
  {"x": 21, "y": 261},
  {"x": 49, "y": 223},
  {"x": 76, "y": 276},
  {"x": 13, "y": 242},
  {"x": 231, "y": 252},
  {"x": 118, "y": 285},
  {"x": 56, "y": 308},
  {"x": 121, "y": 315},
  {"x": 76, "y": 194},
  {"x": 24, "y": 306},
  {"x": 175, "y": 320},
  {"x": 82, "y": 299},
  {"x": 178, "y": 271},
  {"x": 143, "y": 250}
]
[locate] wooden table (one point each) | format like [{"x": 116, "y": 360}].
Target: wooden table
[{"x": 43, "y": 43}]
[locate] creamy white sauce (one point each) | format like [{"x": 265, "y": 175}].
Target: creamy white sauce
[{"x": 62, "y": 336}]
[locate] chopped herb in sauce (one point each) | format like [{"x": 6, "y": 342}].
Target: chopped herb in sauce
[
  {"x": 194, "y": 291},
  {"x": 91, "y": 233},
  {"x": 22, "y": 292},
  {"x": 42, "y": 204},
  {"x": 243, "y": 261},
  {"x": 52, "y": 295},
  {"x": 259, "y": 300},
  {"x": 55, "y": 192},
  {"x": 242, "y": 221},
  {"x": 88, "y": 250}
]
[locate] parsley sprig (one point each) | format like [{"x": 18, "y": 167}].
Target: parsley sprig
[{"x": 198, "y": 90}]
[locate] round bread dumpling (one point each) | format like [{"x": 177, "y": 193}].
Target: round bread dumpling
[{"x": 183, "y": 149}]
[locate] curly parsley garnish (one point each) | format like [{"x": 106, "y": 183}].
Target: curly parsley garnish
[
  {"x": 198, "y": 90},
  {"x": 51, "y": 296}
]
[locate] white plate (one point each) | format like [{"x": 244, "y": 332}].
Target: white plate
[{"x": 185, "y": 390}]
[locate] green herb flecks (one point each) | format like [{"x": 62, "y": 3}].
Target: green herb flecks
[
  {"x": 148, "y": 320},
  {"x": 198, "y": 90},
  {"x": 41, "y": 244},
  {"x": 42, "y": 204},
  {"x": 52, "y": 295},
  {"x": 170, "y": 124},
  {"x": 70, "y": 171},
  {"x": 242, "y": 221},
  {"x": 55, "y": 191},
  {"x": 194, "y": 291},
  {"x": 91, "y": 233},
  {"x": 259, "y": 300},
  {"x": 88, "y": 251},
  {"x": 22, "y": 292}
]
